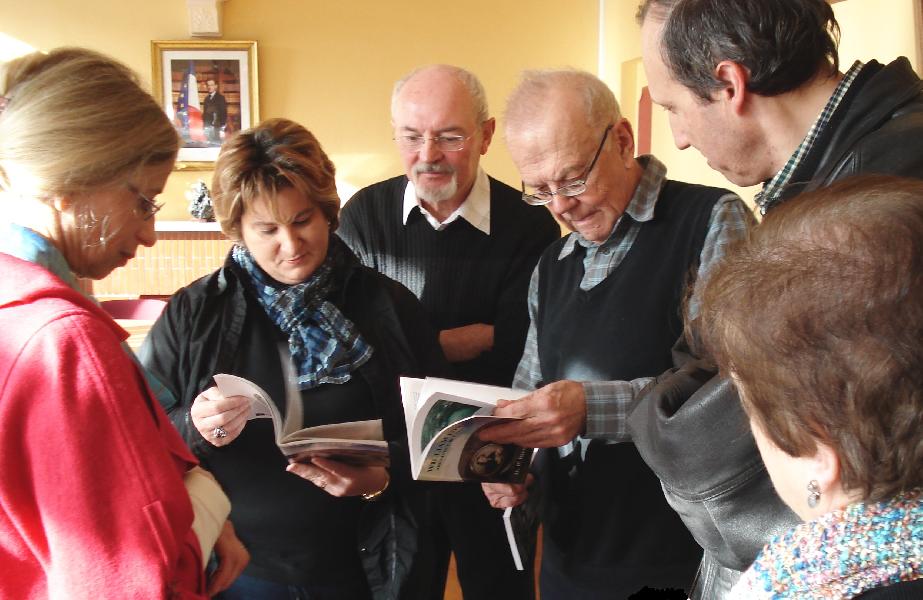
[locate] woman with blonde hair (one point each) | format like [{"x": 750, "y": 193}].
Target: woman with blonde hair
[
  {"x": 818, "y": 320},
  {"x": 92, "y": 498}
]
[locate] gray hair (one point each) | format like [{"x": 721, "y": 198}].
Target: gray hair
[
  {"x": 525, "y": 102},
  {"x": 471, "y": 83}
]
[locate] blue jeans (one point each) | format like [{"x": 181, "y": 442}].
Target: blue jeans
[{"x": 251, "y": 588}]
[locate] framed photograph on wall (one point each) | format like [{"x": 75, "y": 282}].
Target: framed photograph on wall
[{"x": 208, "y": 88}]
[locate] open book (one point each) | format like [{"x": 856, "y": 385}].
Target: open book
[
  {"x": 443, "y": 418},
  {"x": 356, "y": 443}
]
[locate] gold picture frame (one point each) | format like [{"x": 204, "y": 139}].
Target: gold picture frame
[{"x": 184, "y": 75}]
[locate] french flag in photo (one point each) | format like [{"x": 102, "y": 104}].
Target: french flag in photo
[{"x": 189, "y": 108}]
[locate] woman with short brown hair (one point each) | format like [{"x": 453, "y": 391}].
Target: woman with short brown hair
[
  {"x": 290, "y": 289},
  {"x": 818, "y": 319}
]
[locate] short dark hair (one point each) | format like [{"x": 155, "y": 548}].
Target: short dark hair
[
  {"x": 259, "y": 162},
  {"x": 818, "y": 317},
  {"x": 783, "y": 44}
]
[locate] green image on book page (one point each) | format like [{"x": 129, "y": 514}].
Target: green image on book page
[{"x": 442, "y": 414}]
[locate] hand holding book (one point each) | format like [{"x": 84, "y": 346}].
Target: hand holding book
[
  {"x": 507, "y": 495},
  {"x": 443, "y": 420},
  {"x": 342, "y": 479},
  {"x": 550, "y": 416},
  {"x": 219, "y": 418},
  {"x": 358, "y": 443},
  {"x": 520, "y": 517}
]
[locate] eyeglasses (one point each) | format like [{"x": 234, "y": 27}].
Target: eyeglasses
[
  {"x": 445, "y": 143},
  {"x": 539, "y": 197},
  {"x": 146, "y": 208}
]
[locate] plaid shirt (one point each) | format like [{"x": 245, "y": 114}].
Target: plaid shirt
[
  {"x": 771, "y": 193},
  {"x": 609, "y": 402}
]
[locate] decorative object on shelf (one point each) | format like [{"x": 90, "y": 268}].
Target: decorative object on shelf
[
  {"x": 200, "y": 201},
  {"x": 208, "y": 88}
]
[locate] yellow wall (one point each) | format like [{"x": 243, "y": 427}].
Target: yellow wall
[
  {"x": 867, "y": 31},
  {"x": 879, "y": 29},
  {"x": 331, "y": 64}
]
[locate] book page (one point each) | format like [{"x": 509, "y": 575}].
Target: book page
[
  {"x": 410, "y": 397},
  {"x": 353, "y": 430},
  {"x": 363, "y": 453},
  {"x": 442, "y": 410},
  {"x": 261, "y": 405},
  {"x": 521, "y": 526},
  {"x": 478, "y": 393},
  {"x": 442, "y": 417},
  {"x": 457, "y": 454},
  {"x": 357, "y": 442},
  {"x": 436, "y": 414},
  {"x": 294, "y": 419}
]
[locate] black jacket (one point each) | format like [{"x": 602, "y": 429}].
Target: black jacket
[
  {"x": 200, "y": 332},
  {"x": 878, "y": 129},
  {"x": 689, "y": 426}
]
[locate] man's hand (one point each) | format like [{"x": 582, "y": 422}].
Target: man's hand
[
  {"x": 232, "y": 558},
  {"x": 505, "y": 495},
  {"x": 466, "y": 342},
  {"x": 551, "y": 416}
]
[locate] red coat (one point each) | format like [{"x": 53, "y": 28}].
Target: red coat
[{"x": 92, "y": 501}]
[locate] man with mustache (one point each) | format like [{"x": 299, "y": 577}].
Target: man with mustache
[{"x": 465, "y": 244}]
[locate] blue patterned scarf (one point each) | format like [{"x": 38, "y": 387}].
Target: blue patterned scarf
[{"x": 325, "y": 346}]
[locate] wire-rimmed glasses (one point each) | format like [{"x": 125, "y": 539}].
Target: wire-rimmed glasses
[{"x": 540, "y": 197}]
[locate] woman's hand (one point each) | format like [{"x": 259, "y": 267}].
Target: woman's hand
[
  {"x": 232, "y": 558},
  {"x": 340, "y": 479},
  {"x": 219, "y": 419}
]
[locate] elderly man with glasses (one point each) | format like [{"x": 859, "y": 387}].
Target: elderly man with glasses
[
  {"x": 465, "y": 244},
  {"x": 606, "y": 305}
]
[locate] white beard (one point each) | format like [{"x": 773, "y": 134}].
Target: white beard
[{"x": 437, "y": 193}]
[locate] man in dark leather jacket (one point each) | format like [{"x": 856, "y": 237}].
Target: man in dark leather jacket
[{"x": 749, "y": 101}]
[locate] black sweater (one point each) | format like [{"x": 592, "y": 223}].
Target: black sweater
[
  {"x": 461, "y": 275},
  {"x": 295, "y": 532}
]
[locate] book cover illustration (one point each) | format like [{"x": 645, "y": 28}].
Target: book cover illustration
[{"x": 443, "y": 418}]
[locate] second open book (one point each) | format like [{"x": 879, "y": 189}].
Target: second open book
[
  {"x": 356, "y": 442},
  {"x": 443, "y": 417}
]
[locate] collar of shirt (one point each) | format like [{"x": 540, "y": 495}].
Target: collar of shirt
[
  {"x": 640, "y": 208},
  {"x": 772, "y": 190},
  {"x": 475, "y": 208}
]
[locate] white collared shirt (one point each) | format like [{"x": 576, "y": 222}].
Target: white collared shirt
[{"x": 475, "y": 208}]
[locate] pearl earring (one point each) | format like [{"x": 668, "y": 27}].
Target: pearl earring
[{"x": 813, "y": 493}]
